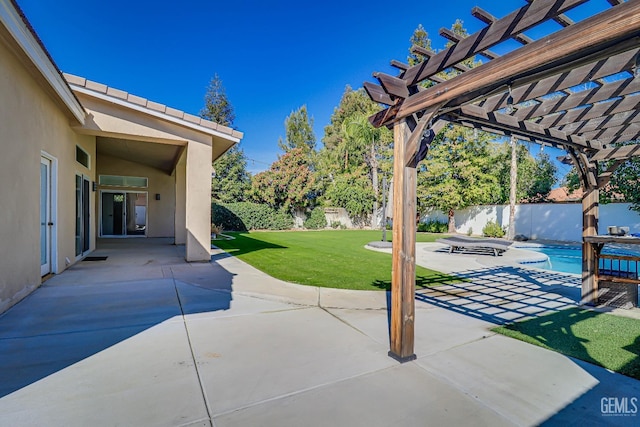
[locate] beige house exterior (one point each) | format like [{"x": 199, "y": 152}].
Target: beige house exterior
[{"x": 81, "y": 160}]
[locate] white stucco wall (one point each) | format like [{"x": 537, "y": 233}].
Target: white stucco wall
[
  {"x": 553, "y": 221},
  {"x": 198, "y": 202},
  {"x": 31, "y": 122}
]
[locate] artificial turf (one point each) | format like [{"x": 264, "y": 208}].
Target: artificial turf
[
  {"x": 602, "y": 339},
  {"x": 327, "y": 258}
]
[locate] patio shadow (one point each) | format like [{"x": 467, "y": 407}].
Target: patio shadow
[
  {"x": 58, "y": 326},
  {"x": 244, "y": 244}
]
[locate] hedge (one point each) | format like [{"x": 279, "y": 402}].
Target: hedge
[
  {"x": 244, "y": 216},
  {"x": 316, "y": 219}
]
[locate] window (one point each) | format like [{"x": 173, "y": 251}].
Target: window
[
  {"x": 82, "y": 157},
  {"x": 123, "y": 181}
]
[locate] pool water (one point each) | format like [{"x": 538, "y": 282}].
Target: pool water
[{"x": 568, "y": 259}]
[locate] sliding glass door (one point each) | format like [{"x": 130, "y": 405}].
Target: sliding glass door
[
  {"x": 123, "y": 214},
  {"x": 82, "y": 214}
]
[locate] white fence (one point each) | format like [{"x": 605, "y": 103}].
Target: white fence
[
  {"x": 553, "y": 221},
  {"x": 338, "y": 215}
]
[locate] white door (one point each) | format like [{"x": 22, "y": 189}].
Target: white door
[{"x": 45, "y": 216}]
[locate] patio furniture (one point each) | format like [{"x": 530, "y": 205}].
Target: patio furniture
[
  {"x": 482, "y": 245},
  {"x": 616, "y": 275}
]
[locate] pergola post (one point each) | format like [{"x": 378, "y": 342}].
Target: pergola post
[
  {"x": 404, "y": 246},
  {"x": 590, "y": 211}
]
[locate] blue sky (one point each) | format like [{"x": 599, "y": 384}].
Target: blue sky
[{"x": 272, "y": 56}]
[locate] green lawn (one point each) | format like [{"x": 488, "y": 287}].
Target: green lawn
[
  {"x": 599, "y": 338},
  {"x": 328, "y": 258}
]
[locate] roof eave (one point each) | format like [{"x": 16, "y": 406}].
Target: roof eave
[
  {"x": 159, "y": 111},
  {"x": 18, "y": 28}
]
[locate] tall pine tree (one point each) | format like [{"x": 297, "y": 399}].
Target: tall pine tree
[
  {"x": 230, "y": 181},
  {"x": 217, "y": 107},
  {"x": 299, "y": 132}
]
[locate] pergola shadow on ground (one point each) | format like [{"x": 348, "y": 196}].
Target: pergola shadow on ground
[{"x": 503, "y": 295}]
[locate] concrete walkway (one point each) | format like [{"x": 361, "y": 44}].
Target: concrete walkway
[{"x": 145, "y": 339}]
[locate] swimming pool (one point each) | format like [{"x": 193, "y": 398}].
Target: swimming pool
[{"x": 568, "y": 259}]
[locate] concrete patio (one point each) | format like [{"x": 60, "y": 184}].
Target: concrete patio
[{"x": 146, "y": 339}]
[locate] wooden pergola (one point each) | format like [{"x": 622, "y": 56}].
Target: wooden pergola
[{"x": 528, "y": 93}]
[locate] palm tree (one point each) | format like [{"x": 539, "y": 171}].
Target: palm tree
[{"x": 364, "y": 137}]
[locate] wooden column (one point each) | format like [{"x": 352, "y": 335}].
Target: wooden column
[
  {"x": 404, "y": 246},
  {"x": 589, "y": 228}
]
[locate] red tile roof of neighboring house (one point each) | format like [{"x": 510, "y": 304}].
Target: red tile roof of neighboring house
[{"x": 563, "y": 195}]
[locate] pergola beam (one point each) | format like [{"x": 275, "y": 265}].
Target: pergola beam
[
  {"x": 617, "y": 153},
  {"x": 606, "y": 108},
  {"x": 625, "y": 137},
  {"x": 399, "y": 65},
  {"x": 583, "y": 74},
  {"x": 603, "y": 122},
  {"x": 497, "y": 32},
  {"x": 512, "y": 125},
  {"x": 487, "y": 18},
  {"x": 561, "y": 19},
  {"x": 597, "y": 94},
  {"x": 594, "y": 38},
  {"x": 392, "y": 85},
  {"x": 377, "y": 94},
  {"x": 608, "y": 134},
  {"x": 455, "y": 38}
]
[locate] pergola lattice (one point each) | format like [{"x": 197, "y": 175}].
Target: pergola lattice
[{"x": 529, "y": 93}]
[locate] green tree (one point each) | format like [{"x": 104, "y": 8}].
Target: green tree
[
  {"x": 367, "y": 140},
  {"x": 536, "y": 176},
  {"x": 352, "y": 191},
  {"x": 299, "y": 132},
  {"x": 419, "y": 38},
  {"x": 545, "y": 177},
  {"x": 624, "y": 183},
  {"x": 353, "y": 103},
  {"x": 217, "y": 107},
  {"x": 459, "y": 172},
  {"x": 288, "y": 184},
  {"x": 354, "y": 148},
  {"x": 230, "y": 181}
]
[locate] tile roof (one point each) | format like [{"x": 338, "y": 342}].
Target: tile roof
[
  {"x": 150, "y": 105},
  {"x": 563, "y": 194}
]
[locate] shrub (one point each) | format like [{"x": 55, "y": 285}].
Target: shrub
[
  {"x": 226, "y": 218},
  {"x": 433, "y": 226},
  {"x": 493, "y": 229},
  {"x": 315, "y": 219},
  {"x": 469, "y": 231},
  {"x": 338, "y": 224},
  {"x": 353, "y": 192},
  {"x": 243, "y": 216}
]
